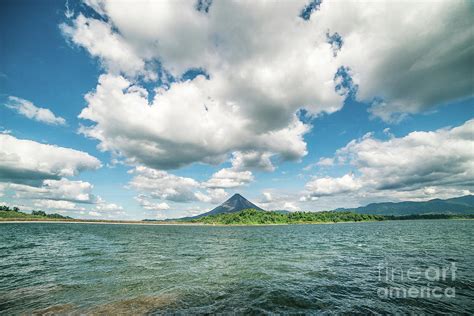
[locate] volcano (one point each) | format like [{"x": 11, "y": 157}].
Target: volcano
[{"x": 235, "y": 204}]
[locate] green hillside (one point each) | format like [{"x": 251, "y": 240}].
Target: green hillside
[
  {"x": 256, "y": 217},
  {"x": 463, "y": 205}
]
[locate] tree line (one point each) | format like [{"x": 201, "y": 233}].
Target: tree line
[
  {"x": 11, "y": 212},
  {"x": 252, "y": 216}
]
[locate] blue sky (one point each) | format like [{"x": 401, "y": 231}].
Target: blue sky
[{"x": 47, "y": 61}]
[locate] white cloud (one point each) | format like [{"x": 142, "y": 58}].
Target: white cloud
[
  {"x": 318, "y": 187},
  {"x": 322, "y": 162},
  {"x": 166, "y": 134},
  {"x": 163, "y": 185},
  {"x": 229, "y": 178},
  {"x": 268, "y": 196},
  {"x": 31, "y": 111},
  {"x": 63, "y": 189},
  {"x": 245, "y": 105},
  {"x": 325, "y": 162},
  {"x": 413, "y": 56},
  {"x": 252, "y": 160},
  {"x": 108, "y": 207},
  {"x": 57, "y": 205},
  {"x": 116, "y": 55},
  {"x": 290, "y": 206},
  {"x": 264, "y": 63},
  {"x": 275, "y": 200},
  {"x": 161, "y": 29},
  {"x": 26, "y": 161},
  {"x": 61, "y": 196},
  {"x": 36, "y": 175},
  {"x": 418, "y": 166},
  {"x": 440, "y": 158},
  {"x": 214, "y": 196},
  {"x": 145, "y": 202}
]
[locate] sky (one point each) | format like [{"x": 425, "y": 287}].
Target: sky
[{"x": 136, "y": 109}]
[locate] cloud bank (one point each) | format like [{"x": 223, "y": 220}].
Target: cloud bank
[
  {"x": 420, "y": 164},
  {"x": 39, "y": 173},
  {"x": 26, "y": 161}
]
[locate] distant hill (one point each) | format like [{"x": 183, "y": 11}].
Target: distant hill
[
  {"x": 235, "y": 204},
  {"x": 460, "y": 205}
]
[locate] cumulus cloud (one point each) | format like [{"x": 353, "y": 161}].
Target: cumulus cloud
[
  {"x": 26, "y": 161},
  {"x": 325, "y": 162},
  {"x": 275, "y": 200},
  {"x": 330, "y": 186},
  {"x": 229, "y": 178},
  {"x": 108, "y": 207},
  {"x": 31, "y": 111},
  {"x": 116, "y": 55},
  {"x": 420, "y": 54},
  {"x": 252, "y": 160},
  {"x": 145, "y": 202},
  {"x": 243, "y": 104},
  {"x": 213, "y": 196},
  {"x": 61, "y": 195},
  {"x": 263, "y": 62},
  {"x": 442, "y": 157},
  {"x": 181, "y": 126},
  {"x": 237, "y": 175},
  {"x": 419, "y": 165},
  {"x": 57, "y": 205},
  {"x": 63, "y": 189},
  {"x": 37, "y": 174},
  {"x": 322, "y": 162},
  {"x": 163, "y": 185}
]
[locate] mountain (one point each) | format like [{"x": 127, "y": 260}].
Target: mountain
[
  {"x": 459, "y": 205},
  {"x": 235, "y": 204}
]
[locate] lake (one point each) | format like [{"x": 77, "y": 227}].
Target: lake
[{"x": 420, "y": 266}]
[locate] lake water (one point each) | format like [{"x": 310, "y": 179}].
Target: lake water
[{"x": 138, "y": 269}]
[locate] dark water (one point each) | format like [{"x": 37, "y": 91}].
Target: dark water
[{"x": 137, "y": 269}]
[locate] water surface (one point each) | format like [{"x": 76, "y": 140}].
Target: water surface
[{"x": 142, "y": 269}]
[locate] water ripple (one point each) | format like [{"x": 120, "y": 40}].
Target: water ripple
[{"x": 75, "y": 269}]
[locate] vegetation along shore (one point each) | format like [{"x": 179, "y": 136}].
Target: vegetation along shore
[{"x": 244, "y": 217}]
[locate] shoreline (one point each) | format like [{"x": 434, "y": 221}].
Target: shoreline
[
  {"x": 29, "y": 221},
  {"x": 105, "y": 222}
]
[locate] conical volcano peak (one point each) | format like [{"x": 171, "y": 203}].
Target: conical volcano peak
[
  {"x": 236, "y": 196},
  {"x": 235, "y": 203}
]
